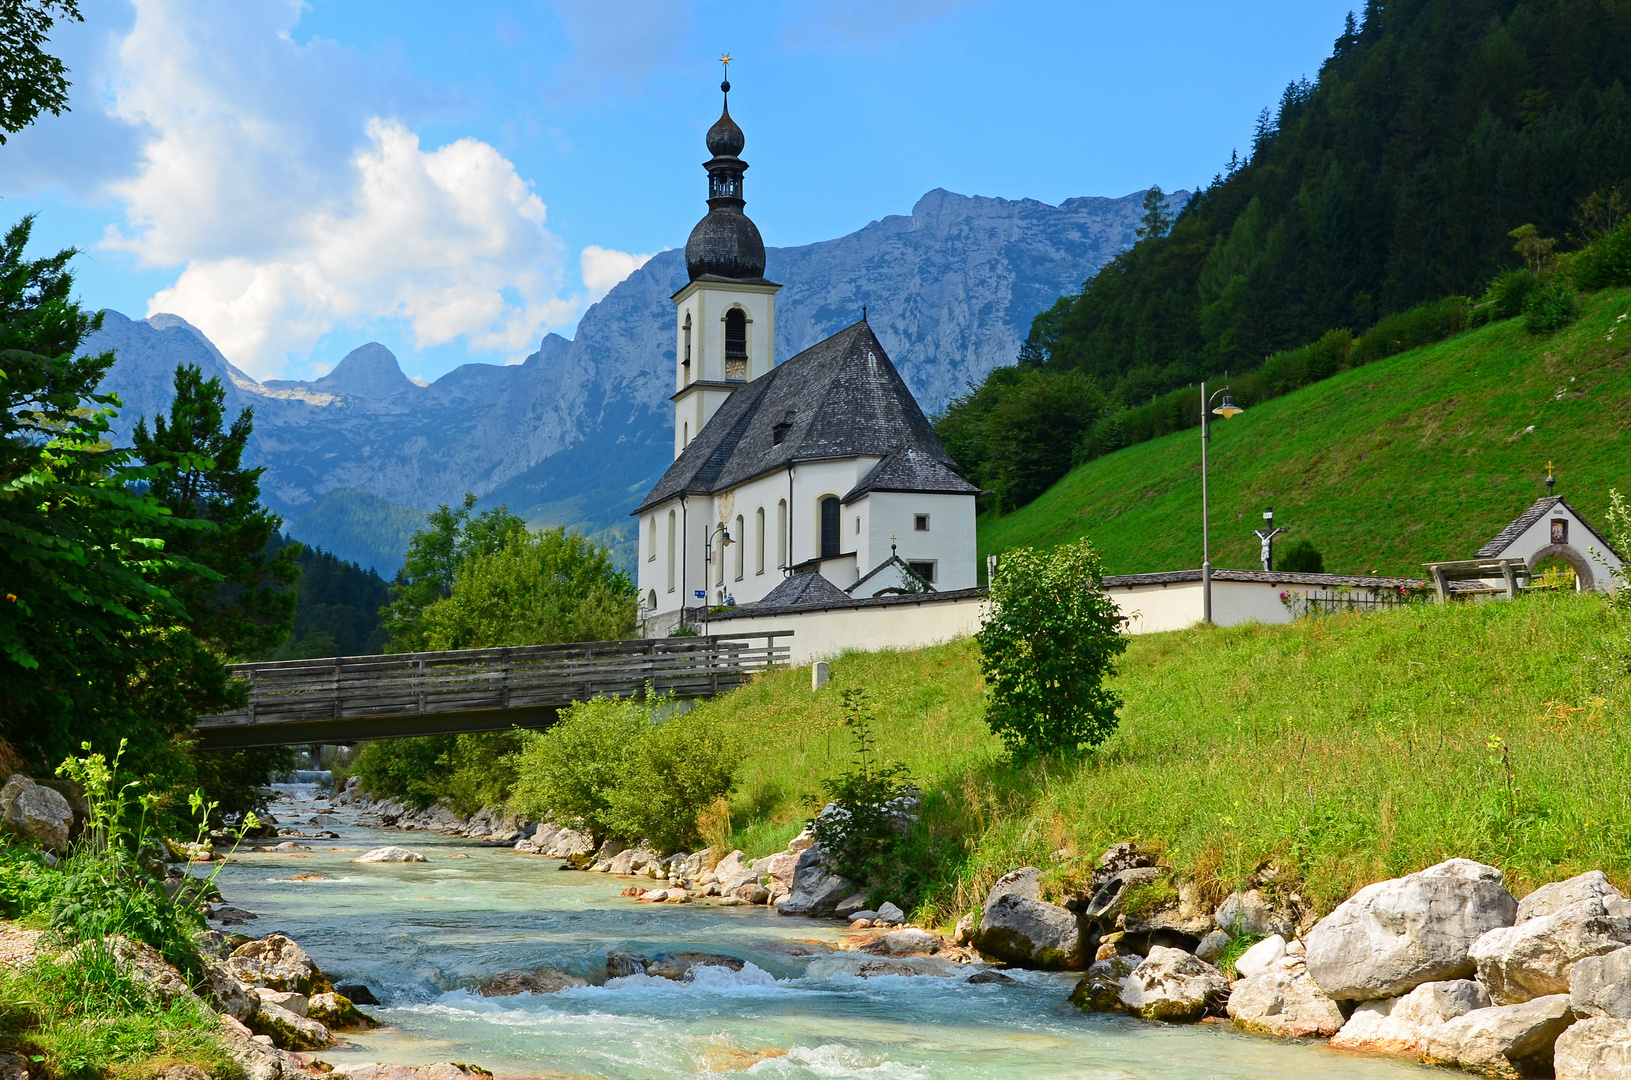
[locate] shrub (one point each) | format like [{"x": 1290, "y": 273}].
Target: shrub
[
  {"x": 863, "y": 831},
  {"x": 566, "y": 773},
  {"x": 1606, "y": 262},
  {"x": 1048, "y": 647},
  {"x": 1422, "y": 325},
  {"x": 1549, "y": 308},
  {"x": 403, "y": 769},
  {"x": 1295, "y": 368},
  {"x": 675, "y": 773},
  {"x": 1301, "y": 557},
  {"x": 1506, "y": 294}
]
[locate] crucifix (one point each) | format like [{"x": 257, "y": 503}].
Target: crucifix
[{"x": 1267, "y": 534}]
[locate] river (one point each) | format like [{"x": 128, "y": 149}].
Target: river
[{"x": 421, "y": 935}]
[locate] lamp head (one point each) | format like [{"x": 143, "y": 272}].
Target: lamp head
[
  {"x": 1228, "y": 410},
  {"x": 725, "y": 538}
]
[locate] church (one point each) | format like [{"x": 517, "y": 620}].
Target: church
[{"x": 816, "y": 481}]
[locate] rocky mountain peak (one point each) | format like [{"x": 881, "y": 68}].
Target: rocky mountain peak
[{"x": 368, "y": 371}]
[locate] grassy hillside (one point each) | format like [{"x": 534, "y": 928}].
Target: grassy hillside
[
  {"x": 1344, "y": 749},
  {"x": 1421, "y": 456}
]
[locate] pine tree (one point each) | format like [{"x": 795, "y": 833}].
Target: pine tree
[
  {"x": 1157, "y": 220},
  {"x": 199, "y": 476}
]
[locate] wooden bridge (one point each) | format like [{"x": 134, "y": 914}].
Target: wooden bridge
[{"x": 348, "y": 698}]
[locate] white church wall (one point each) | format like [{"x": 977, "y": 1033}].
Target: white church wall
[
  {"x": 949, "y": 541},
  {"x": 1537, "y": 543},
  {"x": 905, "y": 624}
]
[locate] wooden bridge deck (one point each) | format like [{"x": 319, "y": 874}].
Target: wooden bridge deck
[{"x": 348, "y": 698}]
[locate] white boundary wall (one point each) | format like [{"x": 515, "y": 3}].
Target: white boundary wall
[{"x": 819, "y": 635}]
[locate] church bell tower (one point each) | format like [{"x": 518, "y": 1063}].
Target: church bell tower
[{"x": 725, "y": 318}]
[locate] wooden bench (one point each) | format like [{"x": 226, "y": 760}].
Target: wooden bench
[{"x": 1511, "y": 571}]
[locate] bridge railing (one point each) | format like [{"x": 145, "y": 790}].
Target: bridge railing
[{"x": 477, "y": 689}]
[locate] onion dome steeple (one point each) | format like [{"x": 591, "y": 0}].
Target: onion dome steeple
[{"x": 725, "y": 243}]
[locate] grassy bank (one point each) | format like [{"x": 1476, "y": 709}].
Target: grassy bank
[
  {"x": 1344, "y": 749},
  {"x": 1426, "y": 454}
]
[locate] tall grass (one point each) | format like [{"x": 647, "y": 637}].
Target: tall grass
[{"x": 1342, "y": 750}]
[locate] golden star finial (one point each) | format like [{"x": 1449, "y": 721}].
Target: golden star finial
[{"x": 726, "y": 60}]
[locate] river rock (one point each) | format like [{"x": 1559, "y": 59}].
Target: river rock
[
  {"x": 1212, "y": 946},
  {"x": 38, "y": 815},
  {"x": 1395, "y": 935},
  {"x": 993, "y": 978},
  {"x": 1399, "y": 1025},
  {"x": 1174, "y": 986},
  {"x": 257, "y": 1057},
  {"x": 816, "y": 890},
  {"x": 542, "y": 981},
  {"x": 283, "y": 999},
  {"x": 677, "y": 966},
  {"x": 13, "y": 1066},
  {"x": 963, "y": 934},
  {"x": 1554, "y": 897},
  {"x": 391, "y": 854},
  {"x": 1251, "y": 914},
  {"x": 852, "y": 906},
  {"x": 1533, "y": 959},
  {"x": 288, "y": 1031},
  {"x": 227, "y": 993},
  {"x": 1108, "y": 899},
  {"x": 889, "y": 913},
  {"x": 908, "y": 942},
  {"x": 572, "y": 845},
  {"x": 621, "y": 964},
  {"x": 1030, "y": 933},
  {"x": 1503, "y": 1040},
  {"x": 1260, "y": 957},
  {"x": 1596, "y": 1048},
  {"x": 752, "y": 893},
  {"x": 357, "y": 992},
  {"x": 277, "y": 963},
  {"x": 1283, "y": 1001},
  {"x": 142, "y": 963},
  {"x": 337, "y": 1012},
  {"x": 442, "y": 1070},
  {"x": 1601, "y": 985},
  {"x": 1100, "y": 989}
]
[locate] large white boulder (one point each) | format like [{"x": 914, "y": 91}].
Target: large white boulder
[
  {"x": 1534, "y": 958},
  {"x": 1399, "y": 1025},
  {"x": 1251, "y": 914},
  {"x": 1283, "y": 1001},
  {"x": 1596, "y": 1048},
  {"x": 816, "y": 890},
  {"x": 391, "y": 854},
  {"x": 1017, "y": 929},
  {"x": 1395, "y": 935},
  {"x": 277, "y": 963},
  {"x": 1601, "y": 985},
  {"x": 1259, "y": 957},
  {"x": 36, "y": 813},
  {"x": 1504, "y": 1040},
  {"x": 1552, "y": 898},
  {"x": 1174, "y": 986}
]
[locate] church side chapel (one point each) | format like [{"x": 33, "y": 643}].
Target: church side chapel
[{"x": 818, "y": 481}]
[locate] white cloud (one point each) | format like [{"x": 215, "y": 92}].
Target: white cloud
[
  {"x": 603, "y": 268},
  {"x": 286, "y": 181}
]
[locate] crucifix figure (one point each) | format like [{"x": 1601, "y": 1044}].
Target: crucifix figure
[{"x": 1267, "y": 534}]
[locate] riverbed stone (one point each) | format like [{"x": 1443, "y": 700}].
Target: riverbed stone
[
  {"x": 1283, "y": 1001},
  {"x": 1174, "y": 986},
  {"x": 1596, "y": 1048},
  {"x": 388, "y": 854},
  {"x": 752, "y": 893},
  {"x": 540, "y": 981},
  {"x": 337, "y": 1012},
  {"x": 816, "y": 890},
  {"x": 283, "y": 999},
  {"x": 1252, "y": 914},
  {"x": 621, "y": 964},
  {"x": 1394, "y": 935},
  {"x": 277, "y": 963},
  {"x": 289, "y": 1031},
  {"x": 1100, "y": 988},
  {"x": 1534, "y": 958},
  {"x": 1557, "y": 895},
  {"x": 1601, "y": 985},
  {"x": 1261, "y": 956},
  {"x": 908, "y": 942},
  {"x": 992, "y": 978},
  {"x": 373, "y": 1070},
  {"x": 1399, "y": 1025},
  {"x": 1108, "y": 899},
  {"x": 852, "y": 905},
  {"x": 963, "y": 934},
  {"x": 35, "y": 813},
  {"x": 1019, "y": 930},
  {"x": 1212, "y": 946},
  {"x": 678, "y": 965},
  {"x": 1503, "y": 1040},
  {"x": 889, "y": 913},
  {"x": 227, "y": 993}
]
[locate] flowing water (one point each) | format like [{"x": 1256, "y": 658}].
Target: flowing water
[{"x": 422, "y": 935}]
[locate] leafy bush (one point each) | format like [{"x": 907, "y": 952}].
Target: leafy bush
[
  {"x": 1549, "y": 308},
  {"x": 864, "y": 829},
  {"x": 1301, "y": 557},
  {"x": 609, "y": 767},
  {"x": 1606, "y": 262},
  {"x": 1047, "y": 649},
  {"x": 676, "y": 771},
  {"x": 1421, "y": 325},
  {"x": 1294, "y": 368},
  {"x": 470, "y": 771},
  {"x": 1506, "y": 294}
]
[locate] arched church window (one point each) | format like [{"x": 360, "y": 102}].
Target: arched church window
[
  {"x": 736, "y": 344},
  {"x": 671, "y": 545},
  {"x": 740, "y": 545},
  {"x": 759, "y": 559},
  {"x": 686, "y": 346},
  {"x": 829, "y": 526},
  {"x": 784, "y": 557}
]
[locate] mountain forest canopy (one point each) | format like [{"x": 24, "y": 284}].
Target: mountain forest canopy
[{"x": 1396, "y": 177}]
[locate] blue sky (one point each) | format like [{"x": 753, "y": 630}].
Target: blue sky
[{"x": 456, "y": 180}]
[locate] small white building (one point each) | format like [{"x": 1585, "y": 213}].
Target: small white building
[
  {"x": 1552, "y": 529},
  {"x": 823, "y": 464}
]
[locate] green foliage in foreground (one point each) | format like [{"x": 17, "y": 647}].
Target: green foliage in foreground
[
  {"x": 1345, "y": 749},
  {"x": 1419, "y": 456},
  {"x": 1046, "y": 649},
  {"x": 612, "y": 767},
  {"x": 863, "y": 834}
]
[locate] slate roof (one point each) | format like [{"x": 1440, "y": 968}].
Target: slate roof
[
  {"x": 803, "y": 591},
  {"x": 1543, "y": 506},
  {"x": 841, "y": 398},
  {"x": 765, "y": 607},
  {"x": 893, "y": 560},
  {"x": 910, "y": 469}
]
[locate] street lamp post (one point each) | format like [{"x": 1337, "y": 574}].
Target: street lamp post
[
  {"x": 725, "y": 541},
  {"x": 1228, "y": 410}
]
